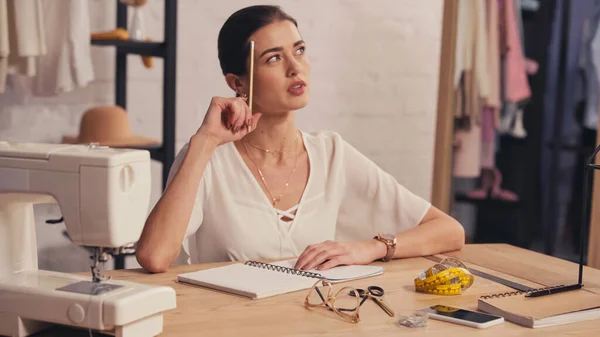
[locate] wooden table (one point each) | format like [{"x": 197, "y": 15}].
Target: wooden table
[{"x": 204, "y": 312}]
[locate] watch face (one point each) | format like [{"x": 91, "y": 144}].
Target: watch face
[{"x": 387, "y": 236}]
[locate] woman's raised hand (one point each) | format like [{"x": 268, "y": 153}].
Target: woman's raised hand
[{"x": 228, "y": 119}]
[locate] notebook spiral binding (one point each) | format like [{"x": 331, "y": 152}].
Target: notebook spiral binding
[
  {"x": 283, "y": 269},
  {"x": 514, "y": 293}
]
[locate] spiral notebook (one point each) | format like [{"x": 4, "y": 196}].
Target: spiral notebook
[
  {"x": 259, "y": 280},
  {"x": 537, "y": 312}
]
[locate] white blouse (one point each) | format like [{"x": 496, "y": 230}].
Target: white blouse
[{"x": 347, "y": 198}]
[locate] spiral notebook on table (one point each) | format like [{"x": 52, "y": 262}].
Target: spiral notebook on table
[
  {"x": 537, "y": 312},
  {"x": 259, "y": 280}
]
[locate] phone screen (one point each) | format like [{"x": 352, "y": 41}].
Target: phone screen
[{"x": 457, "y": 313}]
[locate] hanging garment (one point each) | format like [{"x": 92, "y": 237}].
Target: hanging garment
[
  {"x": 4, "y": 44},
  {"x": 519, "y": 21},
  {"x": 563, "y": 115},
  {"x": 530, "y": 5},
  {"x": 516, "y": 90},
  {"x": 473, "y": 73},
  {"x": 68, "y": 64},
  {"x": 490, "y": 116},
  {"x": 470, "y": 72},
  {"x": 488, "y": 138},
  {"x": 463, "y": 55},
  {"x": 22, "y": 37},
  {"x": 516, "y": 87},
  {"x": 464, "y": 36},
  {"x": 550, "y": 109},
  {"x": 467, "y": 155},
  {"x": 494, "y": 98},
  {"x": 518, "y": 129},
  {"x": 591, "y": 66}
]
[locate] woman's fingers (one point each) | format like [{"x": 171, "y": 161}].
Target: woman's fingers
[
  {"x": 307, "y": 255},
  {"x": 240, "y": 124},
  {"x": 328, "y": 254},
  {"x": 236, "y": 115},
  {"x": 311, "y": 252},
  {"x": 333, "y": 262}
]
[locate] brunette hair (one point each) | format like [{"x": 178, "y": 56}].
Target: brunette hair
[{"x": 233, "y": 44}]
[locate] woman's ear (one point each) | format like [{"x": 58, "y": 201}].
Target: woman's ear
[{"x": 235, "y": 83}]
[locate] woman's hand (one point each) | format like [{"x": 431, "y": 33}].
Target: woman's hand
[
  {"x": 227, "y": 120},
  {"x": 330, "y": 254}
]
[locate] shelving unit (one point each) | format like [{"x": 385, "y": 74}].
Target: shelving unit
[
  {"x": 165, "y": 153},
  {"x": 167, "y": 50}
]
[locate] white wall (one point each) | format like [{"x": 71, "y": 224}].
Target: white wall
[{"x": 374, "y": 77}]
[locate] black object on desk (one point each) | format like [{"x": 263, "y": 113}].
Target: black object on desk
[
  {"x": 587, "y": 171},
  {"x": 554, "y": 290}
]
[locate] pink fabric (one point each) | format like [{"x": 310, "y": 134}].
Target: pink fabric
[
  {"x": 492, "y": 183},
  {"x": 516, "y": 86},
  {"x": 467, "y": 155},
  {"x": 488, "y": 138}
]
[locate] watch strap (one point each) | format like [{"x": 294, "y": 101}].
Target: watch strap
[{"x": 391, "y": 248}]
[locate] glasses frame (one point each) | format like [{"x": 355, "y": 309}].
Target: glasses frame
[{"x": 328, "y": 300}]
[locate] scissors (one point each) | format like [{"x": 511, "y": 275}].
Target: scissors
[{"x": 376, "y": 294}]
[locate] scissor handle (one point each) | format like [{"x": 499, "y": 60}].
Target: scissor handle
[
  {"x": 359, "y": 292},
  {"x": 376, "y": 291}
]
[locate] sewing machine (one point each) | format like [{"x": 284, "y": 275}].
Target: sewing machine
[{"x": 103, "y": 194}]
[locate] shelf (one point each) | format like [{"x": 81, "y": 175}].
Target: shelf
[{"x": 134, "y": 47}]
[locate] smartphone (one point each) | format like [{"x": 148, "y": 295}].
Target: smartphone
[{"x": 462, "y": 316}]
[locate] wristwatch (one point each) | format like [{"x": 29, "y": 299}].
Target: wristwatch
[{"x": 390, "y": 242}]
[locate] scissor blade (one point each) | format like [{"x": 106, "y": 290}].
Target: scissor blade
[{"x": 384, "y": 306}]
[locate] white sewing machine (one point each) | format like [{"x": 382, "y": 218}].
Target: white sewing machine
[{"x": 103, "y": 194}]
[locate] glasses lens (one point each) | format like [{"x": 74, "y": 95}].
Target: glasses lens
[
  {"x": 318, "y": 295},
  {"x": 346, "y": 301}
]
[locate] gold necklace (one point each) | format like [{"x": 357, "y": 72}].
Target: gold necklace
[
  {"x": 273, "y": 152},
  {"x": 274, "y": 201}
]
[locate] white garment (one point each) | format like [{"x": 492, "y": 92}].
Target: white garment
[
  {"x": 471, "y": 43},
  {"x": 347, "y": 198},
  {"x": 4, "y": 44},
  {"x": 68, "y": 64},
  {"x": 22, "y": 37}
]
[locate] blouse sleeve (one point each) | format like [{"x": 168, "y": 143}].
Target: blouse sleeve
[
  {"x": 373, "y": 201},
  {"x": 201, "y": 194}
]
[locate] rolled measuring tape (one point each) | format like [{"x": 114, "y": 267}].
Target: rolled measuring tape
[{"x": 449, "y": 277}]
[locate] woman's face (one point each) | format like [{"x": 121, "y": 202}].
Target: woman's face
[{"x": 281, "y": 69}]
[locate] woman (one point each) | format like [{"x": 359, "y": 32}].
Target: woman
[{"x": 252, "y": 186}]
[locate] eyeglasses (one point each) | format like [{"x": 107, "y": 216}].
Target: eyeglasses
[{"x": 344, "y": 302}]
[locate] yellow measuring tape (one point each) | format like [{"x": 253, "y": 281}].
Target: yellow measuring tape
[{"x": 449, "y": 277}]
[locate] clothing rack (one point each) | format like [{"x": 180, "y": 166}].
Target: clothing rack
[
  {"x": 519, "y": 160},
  {"x": 164, "y": 153}
]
